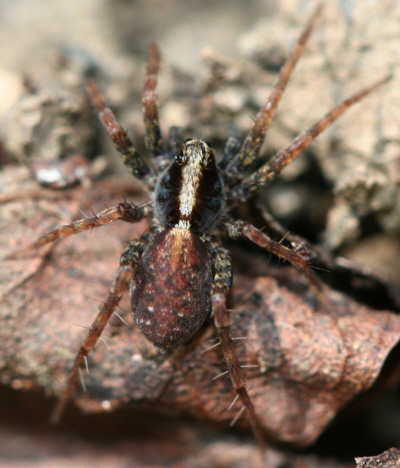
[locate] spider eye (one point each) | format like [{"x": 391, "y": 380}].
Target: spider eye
[{"x": 180, "y": 159}]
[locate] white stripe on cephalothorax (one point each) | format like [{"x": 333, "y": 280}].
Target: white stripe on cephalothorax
[
  {"x": 191, "y": 176},
  {"x": 183, "y": 224}
]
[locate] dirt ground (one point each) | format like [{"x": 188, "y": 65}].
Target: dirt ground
[{"x": 327, "y": 389}]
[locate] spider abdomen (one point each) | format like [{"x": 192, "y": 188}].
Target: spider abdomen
[{"x": 171, "y": 293}]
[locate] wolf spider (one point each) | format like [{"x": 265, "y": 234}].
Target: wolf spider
[{"x": 178, "y": 273}]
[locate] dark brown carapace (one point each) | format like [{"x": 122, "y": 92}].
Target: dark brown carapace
[{"x": 178, "y": 272}]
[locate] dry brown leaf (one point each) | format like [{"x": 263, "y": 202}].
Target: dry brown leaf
[{"x": 316, "y": 350}]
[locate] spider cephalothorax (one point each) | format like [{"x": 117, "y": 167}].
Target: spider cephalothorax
[
  {"x": 190, "y": 192},
  {"x": 178, "y": 272}
]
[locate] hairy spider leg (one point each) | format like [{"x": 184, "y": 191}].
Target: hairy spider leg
[
  {"x": 231, "y": 149},
  {"x": 123, "y": 211},
  {"x": 252, "y": 143},
  {"x": 297, "y": 243},
  {"x": 126, "y": 272},
  {"x": 223, "y": 273},
  {"x": 267, "y": 172},
  {"x": 243, "y": 230},
  {"x": 130, "y": 156},
  {"x": 153, "y": 138}
]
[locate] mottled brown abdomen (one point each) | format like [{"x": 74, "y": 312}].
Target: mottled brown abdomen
[{"x": 170, "y": 295}]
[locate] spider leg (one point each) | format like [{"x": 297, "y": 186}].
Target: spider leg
[
  {"x": 222, "y": 283},
  {"x": 297, "y": 243},
  {"x": 270, "y": 170},
  {"x": 123, "y": 211},
  {"x": 128, "y": 264},
  {"x": 231, "y": 149},
  {"x": 153, "y": 137},
  {"x": 118, "y": 135},
  {"x": 252, "y": 144},
  {"x": 243, "y": 230}
]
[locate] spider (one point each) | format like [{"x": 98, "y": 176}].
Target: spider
[{"x": 178, "y": 273}]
